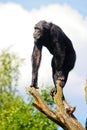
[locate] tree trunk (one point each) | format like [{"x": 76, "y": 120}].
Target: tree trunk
[{"x": 63, "y": 116}]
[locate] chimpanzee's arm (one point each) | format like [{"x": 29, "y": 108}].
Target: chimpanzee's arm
[{"x": 36, "y": 58}]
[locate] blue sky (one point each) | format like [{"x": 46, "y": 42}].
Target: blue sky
[
  {"x": 80, "y": 5},
  {"x": 17, "y": 19}
]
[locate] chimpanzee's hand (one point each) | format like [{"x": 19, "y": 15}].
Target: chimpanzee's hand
[
  {"x": 35, "y": 86},
  {"x": 53, "y": 92}
]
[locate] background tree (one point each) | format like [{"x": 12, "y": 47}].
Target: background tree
[{"x": 15, "y": 113}]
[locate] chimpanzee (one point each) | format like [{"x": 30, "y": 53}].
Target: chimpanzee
[{"x": 59, "y": 45}]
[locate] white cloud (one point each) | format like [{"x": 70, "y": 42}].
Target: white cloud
[{"x": 16, "y": 28}]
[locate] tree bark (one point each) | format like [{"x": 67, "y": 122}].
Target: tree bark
[{"x": 63, "y": 116}]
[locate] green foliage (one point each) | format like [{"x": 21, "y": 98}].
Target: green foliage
[
  {"x": 15, "y": 114},
  {"x": 47, "y": 97},
  {"x": 9, "y": 70}
]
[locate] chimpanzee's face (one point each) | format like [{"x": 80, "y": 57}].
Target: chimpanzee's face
[
  {"x": 37, "y": 34},
  {"x": 41, "y": 31}
]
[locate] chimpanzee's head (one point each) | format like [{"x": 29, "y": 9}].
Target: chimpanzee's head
[{"x": 41, "y": 32}]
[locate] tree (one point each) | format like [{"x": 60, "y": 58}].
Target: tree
[
  {"x": 63, "y": 115},
  {"x": 17, "y": 115},
  {"x": 9, "y": 70}
]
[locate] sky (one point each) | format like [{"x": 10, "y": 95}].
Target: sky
[{"x": 17, "y": 20}]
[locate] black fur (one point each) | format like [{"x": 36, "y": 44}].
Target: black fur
[{"x": 59, "y": 45}]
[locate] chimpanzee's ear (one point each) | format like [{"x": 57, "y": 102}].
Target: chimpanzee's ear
[{"x": 47, "y": 25}]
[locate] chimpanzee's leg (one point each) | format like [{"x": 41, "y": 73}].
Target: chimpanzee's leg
[{"x": 59, "y": 73}]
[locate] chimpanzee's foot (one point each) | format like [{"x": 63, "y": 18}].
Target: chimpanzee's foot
[
  {"x": 68, "y": 108},
  {"x": 62, "y": 82},
  {"x": 53, "y": 92},
  {"x": 34, "y": 86}
]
